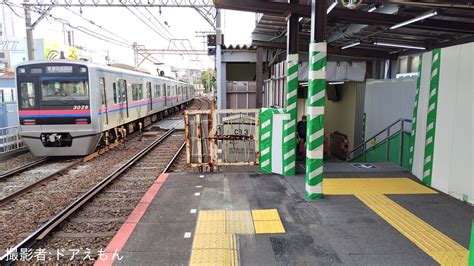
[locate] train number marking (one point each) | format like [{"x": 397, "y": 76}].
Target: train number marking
[{"x": 80, "y": 107}]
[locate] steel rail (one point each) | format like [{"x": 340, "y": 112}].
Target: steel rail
[
  {"x": 173, "y": 160},
  {"x": 37, "y": 183},
  {"x": 46, "y": 228},
  {"x": 22, "y": 168}
]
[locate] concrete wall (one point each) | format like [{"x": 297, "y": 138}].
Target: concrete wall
[
  {"x": 453, "y": 160},
  {"x": 340, "y": 116}
]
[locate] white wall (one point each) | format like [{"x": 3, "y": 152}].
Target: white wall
[
  {"x": 386, "y": 101},
  {"x": 453, "y": 159}
]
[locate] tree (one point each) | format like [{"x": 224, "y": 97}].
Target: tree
[{"x": 208, "y": 79}]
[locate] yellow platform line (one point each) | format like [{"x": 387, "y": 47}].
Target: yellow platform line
[
  {"x": 440, "y": 247},
  {"x": 215, "y": 240}
]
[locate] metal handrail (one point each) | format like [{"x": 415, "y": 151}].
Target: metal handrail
[{"x": 387, "y": 129}]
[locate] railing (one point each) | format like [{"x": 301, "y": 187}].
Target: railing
[
  {"x": 384, "y": 136},
  {"x": 10, "y": 139}
]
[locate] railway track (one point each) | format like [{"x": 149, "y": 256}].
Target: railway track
[
  {"x": 22, "y": 168},
  {"x": 93, "y": 219},
  {"x": 89, "y": 221},
  {"x": 25, "y": 178}
]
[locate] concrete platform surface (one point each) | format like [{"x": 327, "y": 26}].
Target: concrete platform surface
[{"x": 337, "y": 230}]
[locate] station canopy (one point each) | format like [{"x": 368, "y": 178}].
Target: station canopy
[{"x": 376, "y": 29}]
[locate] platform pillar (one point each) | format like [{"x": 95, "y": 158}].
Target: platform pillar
[
  {"x": 315, "y": 101},
  {"x": 415, "y": 113},
  {"x": 431, "y": 117}
]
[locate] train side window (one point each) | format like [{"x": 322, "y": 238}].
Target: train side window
[
  {"x": 137, "y": 92},
  {"x": 115, "y": 92},
  {"x": 28, "y": 97},
  {"x": 168, "y": 90},
  {"x": 102, "y": 89},
  {"x": 157, "y": 90},
  {"x": 148, "y": 90},
  {"x": 122, "y": 90}
]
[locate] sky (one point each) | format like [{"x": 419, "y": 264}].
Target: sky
[{"x": 182, "y": 23}]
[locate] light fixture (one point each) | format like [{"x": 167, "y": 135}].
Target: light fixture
[
  {"x": 350, "y": 45},
  {"x": 331, "y": 7},
  {"x": 372, "y": 9},
  {"x": 336, "y": 83},
  {"x": 300, "y": 19},
  {"x": 399, "y": 45},
  {"x": 415, "y": 19}
]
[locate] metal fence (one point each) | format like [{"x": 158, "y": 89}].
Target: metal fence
[
  {"x": 10, "y": 139},
  {"x": 222, "y": 138}
]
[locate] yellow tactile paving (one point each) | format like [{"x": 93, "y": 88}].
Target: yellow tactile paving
[
  {"x": 265, "y": 215},
  {"x": 373, "y": 186},
  {"x": 210, "y": 227},
  {"x": 238, "y": 215},
  {"x": 213, "y": 257},
  {"x": 434, "y": 243},
  {"x": 218, "y": 215},
  {"x": 269, "y": 227},
  {"x": 239, "y": 227},
  {"x": 214, "y": 241},
  {"x": 239, "y": 222}
]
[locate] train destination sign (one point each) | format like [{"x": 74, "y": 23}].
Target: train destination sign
[{"x": 59, "y": 69}]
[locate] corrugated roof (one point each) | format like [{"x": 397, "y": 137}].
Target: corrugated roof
[{"x": 239, "y": 47}]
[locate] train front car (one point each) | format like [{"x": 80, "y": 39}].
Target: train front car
[{"x": 55, "y": 108}]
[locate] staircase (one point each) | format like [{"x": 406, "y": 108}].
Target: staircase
[{"x": 392, "y": 144}]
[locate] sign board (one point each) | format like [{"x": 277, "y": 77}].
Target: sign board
[
  {"x": 364, "y": 166},
  {"x": 238, "y": 126},
  {"x": 53, "y": 50}
]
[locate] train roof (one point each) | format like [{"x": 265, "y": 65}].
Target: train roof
[{"x": 113, "y": 67}]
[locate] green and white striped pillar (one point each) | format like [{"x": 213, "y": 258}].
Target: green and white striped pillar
[
  {"x": 265, "y": 143},
  {"x": 289, "y": 130},
  {"x": 431, "y": 117},
  {"x": 315, "y": 118},
  {"x": 415, "y": 113}
]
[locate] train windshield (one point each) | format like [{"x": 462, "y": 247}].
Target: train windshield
[{"x": 61, "y": 88}]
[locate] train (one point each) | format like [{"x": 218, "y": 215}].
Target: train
[{"x": 71, "y": 108}]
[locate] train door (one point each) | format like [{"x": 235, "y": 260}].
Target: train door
[
  {"x": 120, "y": 99},
  {"x": 103, "y": 108},
  {"x": 149, "y": 97},
  {"x": 165, "y": 94}
]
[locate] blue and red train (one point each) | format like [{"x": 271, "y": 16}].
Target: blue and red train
[{"x": 69, "y": 108}]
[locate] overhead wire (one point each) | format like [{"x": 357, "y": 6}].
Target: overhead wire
[
  {"x": 98, "y": 26},
  {"x": 8, "y": 4},
  {"x": 87, "y": 31},
  {"x": 152, "y": 28}
]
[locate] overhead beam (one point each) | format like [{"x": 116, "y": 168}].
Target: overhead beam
[
  {"x": 263, "y": 7},
  {"x": 362, "y": 17},
  {"x": 346, "y": 15},
  {"x": 353, "y": 52}
]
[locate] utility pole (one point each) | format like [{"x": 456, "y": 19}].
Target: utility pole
[
  {"x": 221, "y": 92},
  {"x": 29, "y": 32}
]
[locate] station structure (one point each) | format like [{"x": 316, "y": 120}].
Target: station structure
[{"x": 341, "y": 135}]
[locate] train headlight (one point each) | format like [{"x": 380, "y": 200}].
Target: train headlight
[
  {"x": 83, "y": 70},
  {"x": 22, "y": 70}
]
